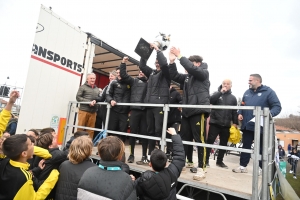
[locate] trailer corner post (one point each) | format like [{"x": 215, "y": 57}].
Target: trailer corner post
[
  {"x": 164, "y": 128},
  {"x": 265, "y": 152},
  {"x": 257, "y": 113},
  {"x": 67, "y": 122}
]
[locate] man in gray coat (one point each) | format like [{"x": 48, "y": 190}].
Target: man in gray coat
[{"x": 88, "y": 92}]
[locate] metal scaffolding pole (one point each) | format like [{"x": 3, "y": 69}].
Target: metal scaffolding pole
[
  {"x": 265, "y": 152},
  {"x": 255, "y": 190}
]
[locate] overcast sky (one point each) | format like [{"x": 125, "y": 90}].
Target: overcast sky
[{"x": 235, "y": 38}]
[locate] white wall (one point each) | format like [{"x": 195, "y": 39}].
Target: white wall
[{"x": 51, "y": 84}]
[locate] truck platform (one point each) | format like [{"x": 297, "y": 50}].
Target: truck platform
[{"x": 218, "y": 180}]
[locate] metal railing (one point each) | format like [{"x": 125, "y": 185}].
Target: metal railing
[{"x": 267, "y": 156}]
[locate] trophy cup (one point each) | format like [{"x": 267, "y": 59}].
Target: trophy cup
[
  {"x": 162, "y": 41},
  {"x": 143, "y": 49}
]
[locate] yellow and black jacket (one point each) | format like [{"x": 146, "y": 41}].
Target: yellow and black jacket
[
  {"x": 17, "y": 183},
  {"x": 4, "y": 118}
]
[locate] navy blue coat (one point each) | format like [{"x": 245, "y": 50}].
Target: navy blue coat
[{"x": 264, "y": 96}]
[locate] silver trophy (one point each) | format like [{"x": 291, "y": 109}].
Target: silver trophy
[{"x": 162, "y": 41}]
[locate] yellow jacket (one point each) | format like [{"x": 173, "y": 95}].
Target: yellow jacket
[
  {"x": 4, "y": 118},
  {"x": 18, "y": 184},
  {"x": 41, "y": 152}
]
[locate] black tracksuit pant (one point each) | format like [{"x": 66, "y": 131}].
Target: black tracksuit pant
[
  {"x": 194, "y": 127},
  {"x": 214, "y": 131},
  {"x": 118, "y": 122},
  {"x": 155, "y": 118},
  {"x": 138, "y": 125}
]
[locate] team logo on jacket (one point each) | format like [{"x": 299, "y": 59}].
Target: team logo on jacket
[
  {"x": 118, "y": 85},
  {"x": 198, "y": 123},
  {"x": 128, "y": 86},
  {"x": 259, "y": 94}
]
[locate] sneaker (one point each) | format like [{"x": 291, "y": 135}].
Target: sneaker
[
  {"x": 207, "y": 165},
  {"x": 294, "y": 177},
  {"x": 143, "y": 161},
  {"x": 239, "y": 170},
  {"x": 291, "y": 171},
  {"x": 130, "y": 159},
  {"x": 200, "y": 175},
  {"x": 221, "y": 164},
  {"x": 189, "y": 165}
]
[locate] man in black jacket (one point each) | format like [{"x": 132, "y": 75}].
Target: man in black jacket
[
  {"x": 157, "y": 93},
  {"x": 102, "y": 97},
  {"x": 162, "y": 181},
  {"x": 137, "y": 121},
  {"x": 174, "y": 117},
  {"x": 221, "y": 119},
  {"x": 195, "y": 92},
  {"x": 118, "y": 92}
]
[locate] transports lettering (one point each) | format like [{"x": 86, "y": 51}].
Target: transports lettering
[{"x": 50, "y": 55}]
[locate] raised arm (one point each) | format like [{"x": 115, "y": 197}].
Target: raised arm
[
  {"x": 178, "y": 161},
  {"x": 144, "y": 68},
  {"x": 175, "y": 76},
  {"x": 200, "y": 73},
  {"x": 123, "y": 73},
  {"x": 162, "y": 60}
]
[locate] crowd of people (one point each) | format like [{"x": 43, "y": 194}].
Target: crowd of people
[
  {"x": 43, "y": 171},
  {"x": 153, "y": 86},
  {"x": 33, "y": 167}
]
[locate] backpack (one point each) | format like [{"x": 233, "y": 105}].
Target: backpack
[{"x": 99, "y": 137}]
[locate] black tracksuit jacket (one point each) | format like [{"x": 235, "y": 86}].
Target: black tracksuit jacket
[
  {"x": 158, "y": 81},
  {"x": 118, "y": 91},
  {"x": 223, "y": 117},
  {"x": 195, "y": 86},
  {"x": 138, "y": 87}
]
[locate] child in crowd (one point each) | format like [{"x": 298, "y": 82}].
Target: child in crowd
[
  {"x": 293, "y": 160},
  {"x": 72, "y": 170},
  {"x": 161, "y": 182},
  {"x": 108, "y": 180},
  {"x": 76, "y": 135},
  {"x": 16, "y": 182},
  {"x": 5, "y": 135}
]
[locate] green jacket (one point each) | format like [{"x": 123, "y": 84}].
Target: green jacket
[{"x": 87, "y": 94}]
